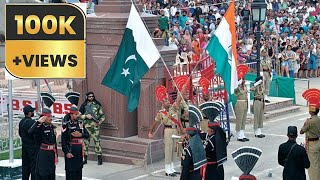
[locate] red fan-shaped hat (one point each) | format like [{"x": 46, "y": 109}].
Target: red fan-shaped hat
[
  {"x": 204, "y": 83},
  {"x": 313, "y": 97},
  {"x": 242, "y": 70},
  {"x": 181, "y": 81},
  {"x": 161, "y": 93}
]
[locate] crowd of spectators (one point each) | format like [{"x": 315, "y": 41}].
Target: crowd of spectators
[{"x": 290, "y": 33}]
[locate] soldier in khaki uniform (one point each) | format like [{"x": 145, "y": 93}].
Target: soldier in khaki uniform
[
  {"x": 168, "y": 116},
  {"x": 312, "y": 129},
  {"x": 266, "y": 67},
  {"x": 258, "y": 107},
  {"x": 93, "y": 117},
  {"x": 204, "y": 83},
  {"x": 241, "y": 107}
]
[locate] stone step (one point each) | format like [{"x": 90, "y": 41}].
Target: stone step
[
  {"x": 106, "y": 31},
  {"x": 282, "y": 111},
  {"x": 275, "y": 103},
  {"x": 131, "y": 150}
]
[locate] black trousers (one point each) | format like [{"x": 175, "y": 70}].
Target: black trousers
[
  {"x": 28, "y": 163},
  {"x": 74, "y": 175},
  {"x": 48, "y": 177}
]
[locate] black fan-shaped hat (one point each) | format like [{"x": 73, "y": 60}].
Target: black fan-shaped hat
[{"x": 246, "y": 158}]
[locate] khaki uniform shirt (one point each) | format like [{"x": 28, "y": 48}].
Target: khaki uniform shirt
[
  {"x": 241, "y": 93},
  {"x": 312, "y": 127},
  {"x": 163, "y": 116},
  {"x": 259, "y": 92},
  {"x": 266, "y": 64}
]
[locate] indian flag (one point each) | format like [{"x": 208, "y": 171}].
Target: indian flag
[
  {"x": 136, "y": 55},
  {"x": 222, "y": 49}
]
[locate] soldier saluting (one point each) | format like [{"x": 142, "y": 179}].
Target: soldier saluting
[
  {"x": 73, "y": 132},
  {"x": 241, "y": 108},
  {"x": 93, "y": 117},
  {"x": 45, "y": 137},
  {"x": 312, "y": 129}
]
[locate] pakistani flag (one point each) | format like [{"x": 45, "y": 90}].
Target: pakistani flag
[
  {"x": 136, "y": 55},
  {"x": 222, "y": 49}
]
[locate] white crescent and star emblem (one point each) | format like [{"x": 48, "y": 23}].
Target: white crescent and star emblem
[{"x": 125, "y": 71}]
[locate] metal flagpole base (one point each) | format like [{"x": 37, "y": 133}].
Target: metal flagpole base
[{"x": 10, "y": 170}]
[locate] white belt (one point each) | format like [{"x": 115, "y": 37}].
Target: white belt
[{"x": 242, "y": 100}]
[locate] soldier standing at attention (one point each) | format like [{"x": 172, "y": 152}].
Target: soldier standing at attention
[
  {"x": 293, "y": 157},
  {"x": 267, "y": 70},
  {"x": 93, "y": 117},
  {"x": 241, "y": 107},
  {"x": 73, "y": 132},
  {"x": 258, "y": 107},
  {"x": 312, "y": 129},
  {"x": 169, "y": 118},
  {"x": 29, "y": 146},
  {"x": 45, "y": 137}
]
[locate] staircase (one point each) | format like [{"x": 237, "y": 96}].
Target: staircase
[
  {"x": 278, "y": 106},
  {"x": 132, "y": 150}
]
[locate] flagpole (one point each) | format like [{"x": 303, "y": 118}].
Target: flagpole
[{"x": 165, "y": 65}]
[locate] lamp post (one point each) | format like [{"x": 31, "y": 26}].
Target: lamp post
[{"x": 258, "y": 10}]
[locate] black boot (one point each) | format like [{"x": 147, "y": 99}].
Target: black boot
[
  {"x": 85, "y": 159},
  {"x": 99, "y": 159}
]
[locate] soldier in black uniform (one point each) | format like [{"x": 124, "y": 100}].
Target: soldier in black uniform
[
  {"x": 45, "y": 136},
  {"x": 293, "y": 157},
  {"x": 29, "y": 147},
  {"x": 73, "y": 132},
  {"x": 215, "y": 142},
  {"x": 194, "y": 155}
]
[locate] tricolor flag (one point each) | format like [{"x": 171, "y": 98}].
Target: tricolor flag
[
  {"x": 222, "y": 49},
  {"x": 136, "y": 55}
]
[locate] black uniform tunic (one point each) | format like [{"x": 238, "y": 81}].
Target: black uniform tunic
[
  {"x": 294, "y": 167},
  {"x": 213, "y": 171},
  {"x": 46, "y": 158},
  {"x": 29, "y": 148},
  {"x": 73, "y": 145},
  {"x": 188, "y": 173}
]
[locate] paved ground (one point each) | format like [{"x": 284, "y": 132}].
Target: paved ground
[{"x": 275, "y": 130}]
